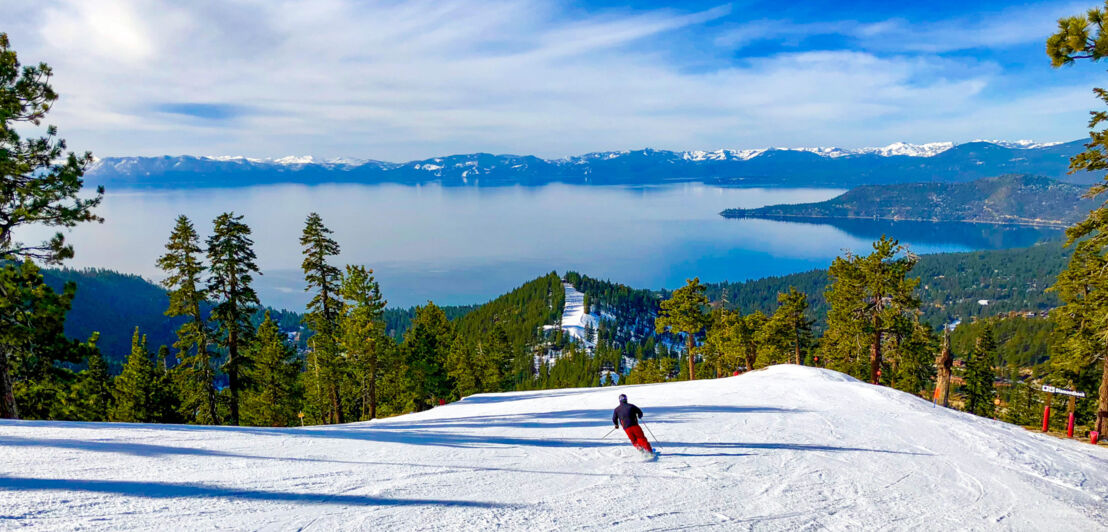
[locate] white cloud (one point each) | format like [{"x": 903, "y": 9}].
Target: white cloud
[{"x": 398, "y": 80}]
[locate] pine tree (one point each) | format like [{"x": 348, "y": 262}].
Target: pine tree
[
  {"x": 789, "y": 331},
  {"x": 363, "y": 333},
  {"x": 721, "y": 346},
  {"x": 684, "y": 313},
  {"x": 1083, "y": 287},
  {"x": 870, "y": 298},
  {"x": 183, "y": 269},
  {"x": 40, "y": 185},
  {"x": 979, "y": 389},
  {"x": 913, "y": 359},
  {"x": 166, "y": 402},
  {"x": 232, "y": 265},
  {"x": 749, "y": 334},
  {"x": 273, "y": 399},
  {"x": 134, "y": 388},
  {"x": 324, "y": 311},
  {"x": 95, "y": 390},
  {"x": 426, "y": 345},
  {"x": 33, "y": 348}
]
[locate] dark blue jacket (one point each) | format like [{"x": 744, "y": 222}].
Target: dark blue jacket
[{"x": 627, "y": 414}]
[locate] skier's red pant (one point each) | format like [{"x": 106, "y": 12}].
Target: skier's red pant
[{"x": 637, "y": 439}]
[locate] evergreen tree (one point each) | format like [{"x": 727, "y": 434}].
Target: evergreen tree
[
  {"x": 166, "y": 402},
  {"x": 979, "y": 389},
  {"x": 273, "y": 399},
  {"x": 683, "y": 313},
  {"x": 722, "y": 347},
  {"x": 652, "y": 370},
  {"x": 363, "y": 334},
  {"x": 482, "y": 366},
  {"x": 870, "y": 298},
  {"x": 913, "y": 358},
  {"x": 749, "y": 336},
  {"x": 789, "y": 331},
  {"x": 426, "y": 345},
  {"x": 231, "y": 258},
  {"x": 196, "y": 377},
  {"x": 1083, "y": 287},
  {"x": 95, "y": 389},
  {"x": 36, "y": 380},
  {"x": 39, "y": 186},
  {"x": 324, "y": 310},
  {"x": 134, "y": 388}
]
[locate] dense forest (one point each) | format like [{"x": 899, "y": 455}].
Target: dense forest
[{"x": 953, "y": 285}]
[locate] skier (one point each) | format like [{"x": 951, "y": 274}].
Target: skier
[{"x": 629, "y": 415}]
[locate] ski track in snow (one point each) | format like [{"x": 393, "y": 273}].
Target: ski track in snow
[{"x": 787, "y": 448}]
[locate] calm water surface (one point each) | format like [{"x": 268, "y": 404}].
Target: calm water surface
[{"x": 465, "y": 245}]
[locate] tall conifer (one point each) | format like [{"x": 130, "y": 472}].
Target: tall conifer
[
  {"x": 870, "y": 296},
  {"x": 324, "y": 311},
  {"x": 979, "y": 389},
  {"x": 426, "y": 345},
  {"x": 134, "y": 388},
  {"x": 40, "y": 185},
  {"x": 1083, "y": 287},
  {"x": 231, "y": 271},
  {"x": 789, "y": 330},
  {"x": 363, "y": 333},
  {"x": 95, "y": 389},
  {"x": 184, "y": 270},
  {"x": 685, "y": 313},
  {"x": 273, "y": 398}
]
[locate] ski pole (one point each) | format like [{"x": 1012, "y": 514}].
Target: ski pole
[
  {"x": 652, "y": 436},
  {"x": 609, "y": 433}
]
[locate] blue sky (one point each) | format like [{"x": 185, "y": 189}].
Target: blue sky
[{"x": 405, "y": 80}]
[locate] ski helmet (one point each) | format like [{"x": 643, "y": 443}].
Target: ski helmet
[{"x": 622, "y": 398}]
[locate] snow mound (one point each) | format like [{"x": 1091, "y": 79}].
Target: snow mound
[{"x": 785, "y": 448}]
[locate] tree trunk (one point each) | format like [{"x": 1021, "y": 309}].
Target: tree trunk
[
  {"x": 210, "y": 384},
  {"x": 797, "y": 344},
  {"x": 8, "y": 410},
  {"x": 692, "y": 358},
  {"x": 875, "y": 358},
  {"x": 373, "y": 388},
  {"x": 1102, "y": 402},
  {"x": 336, "y": 402},
  {"x": 233, "y": 373},
  {"x": 944, "y": 363},
  {"x": 751, "y": 357}
]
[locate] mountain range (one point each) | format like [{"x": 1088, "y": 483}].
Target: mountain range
[
  {"x": 1010, "y": 199},
  {"x": 792, "y": 167}
]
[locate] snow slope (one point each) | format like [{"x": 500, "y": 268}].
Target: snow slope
[
  {"x": 574, "y": 319},
  {"x": 786, "y": 448}
]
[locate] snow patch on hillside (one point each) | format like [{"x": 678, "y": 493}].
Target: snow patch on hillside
[{"x": 574, "y": 318}]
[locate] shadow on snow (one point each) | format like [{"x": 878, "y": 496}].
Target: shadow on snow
[{"x": 166, "y": 490}]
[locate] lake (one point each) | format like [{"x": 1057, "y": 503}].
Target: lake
[{"x": 466, "y": 245}]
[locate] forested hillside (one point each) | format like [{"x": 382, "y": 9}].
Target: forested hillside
[
  {"x": 114, "y": 303},
  {"x": 1009, "y": 199},
  {"x": 952, "y": 285}
]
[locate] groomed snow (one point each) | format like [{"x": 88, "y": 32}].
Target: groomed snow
[
  {"x": 786, "y": 448},
  {"x": 574, "y": 319}
]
